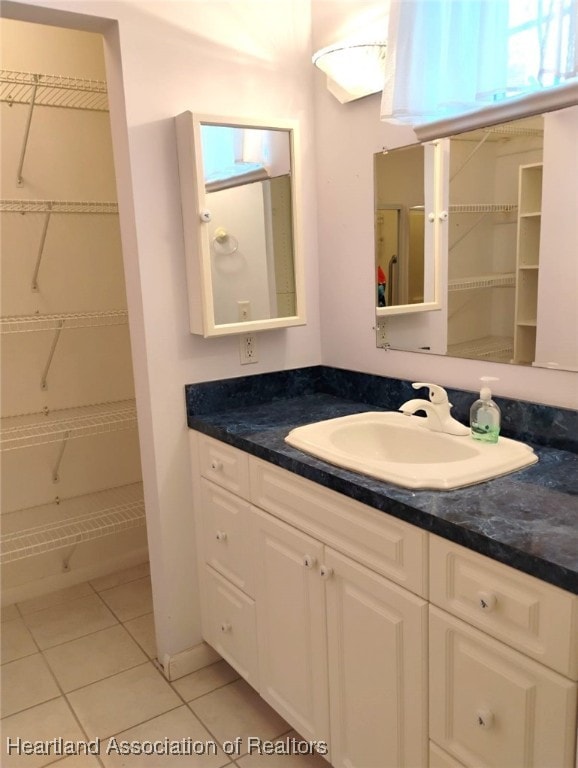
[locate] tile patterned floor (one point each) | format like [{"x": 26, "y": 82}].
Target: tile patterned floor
[{"x": 78, "y": 665}]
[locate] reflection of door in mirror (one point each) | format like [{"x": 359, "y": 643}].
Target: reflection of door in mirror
[
  {"x": 251, "y": 238},
  {"x": 399, "y": 227},
  {"x": 248, "y": 191},
  {"x": 484, "y": 283}
]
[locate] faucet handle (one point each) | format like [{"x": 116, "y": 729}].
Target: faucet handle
[{"x": 437, "y": 394}]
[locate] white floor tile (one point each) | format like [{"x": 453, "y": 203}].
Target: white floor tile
[
  {"x": 51, "y": 626},
  {"x": 237, "y": 710},
  {"x": 78, "y": 761},
  {"x": 130, "y": 600},
  {"x": 121, "y": 577},
  {"x": 16, "y": 641},
  {"x": 143, "y": 631},
  {"x": 205, "y": 680},
  {"x": 9, "y": 612},
  {"x": 25, "y": 683},
  {"x": 55, "y": 598},
  {"x": 93, "y": 657},
  {"x": 178, "y": 725},
  {"x": 42, "y": 723},
  {"x": 123, "y": 701}
]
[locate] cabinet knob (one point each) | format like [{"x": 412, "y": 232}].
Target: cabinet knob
[
  {"x": 221, "y": 536},
  {"x": 216, "y": 465},
  {"x": 487, "y": 601},
  {"x": 326, "y": 572},
  {"x": 226, "y": 627},
  {"x": 484, "y": 718},
  {"x": 309, "y": 561}
]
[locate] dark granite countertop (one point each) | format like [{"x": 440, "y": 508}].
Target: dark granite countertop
[{"x": 528, "y": 519}]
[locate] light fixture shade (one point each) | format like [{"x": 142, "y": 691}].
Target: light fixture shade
[{"x": 354, "y": 69}]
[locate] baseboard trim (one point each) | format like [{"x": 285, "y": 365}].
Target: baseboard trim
[{"x": 185, "y": 662}]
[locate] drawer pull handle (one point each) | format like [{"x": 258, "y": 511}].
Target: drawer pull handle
[
  {"x": 216, "y": 465},
  {"x": 226, "y": 626},
  {"x": 221, "y": 536},
  {"x": 309, "y": 561},
  {"x": 326, "y": 572},
  {"x": 486, "y": 601},
  {"x": 484, "y": 718}
]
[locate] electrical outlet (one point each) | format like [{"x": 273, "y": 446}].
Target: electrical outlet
[
  {"x": 381, "y": 333},
  {"x": 244, "y": 308},
  {"x": 248, "y": 349}
]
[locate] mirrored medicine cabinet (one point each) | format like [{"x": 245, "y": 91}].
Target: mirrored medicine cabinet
[
  {"x": 481, "y": 227},
  {"x": 240, "y": 200}
]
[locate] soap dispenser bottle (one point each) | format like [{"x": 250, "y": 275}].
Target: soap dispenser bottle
[{"x": 485, "y": 415}]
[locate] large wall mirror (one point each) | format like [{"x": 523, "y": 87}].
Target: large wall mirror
[
  {"x": 508, "y": 243},
  {"x": 239, "y": 192}
]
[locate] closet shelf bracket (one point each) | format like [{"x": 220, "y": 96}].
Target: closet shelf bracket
[
  {"x": 469, "y": 157},
  {"x": 55, "y": 340},
  {"x": 56, "y": 472},
  {"x": 27, "y": 130},
  {"x": 41, "y": 248}
]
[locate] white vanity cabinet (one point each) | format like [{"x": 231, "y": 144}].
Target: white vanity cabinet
[
  {"x": 321, "y": 603},
  {"x": 491, "y": 702},
  {"x": 299, "y": 594}
]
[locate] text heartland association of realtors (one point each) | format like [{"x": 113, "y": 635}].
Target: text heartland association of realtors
[{"x": 60, "y": 747}]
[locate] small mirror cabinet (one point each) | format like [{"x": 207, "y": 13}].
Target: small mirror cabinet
[{"x": 240, "y": 202}]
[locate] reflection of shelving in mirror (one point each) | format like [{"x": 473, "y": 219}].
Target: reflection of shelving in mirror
[
  {"x": 528, "y": 253},
  {"x": 505, "y": 280},
  {"x": 498, "y": 349},
  {"x": 71, "y": 521}
]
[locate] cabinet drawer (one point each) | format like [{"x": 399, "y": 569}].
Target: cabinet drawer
[
  {"x": 229, "y": 625},
  {"x": 224, "y": 465},
  {"x": 533, "y": 617},
  {"x": 228, "y": 544},
  {"x": 492, "y": 706},
  {"x": 384, "y": 544}
]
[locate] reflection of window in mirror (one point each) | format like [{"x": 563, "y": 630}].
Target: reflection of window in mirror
[{"x": 399, "y": 227}]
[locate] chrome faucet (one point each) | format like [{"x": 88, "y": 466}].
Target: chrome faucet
[{"x": 437, "y": 410}]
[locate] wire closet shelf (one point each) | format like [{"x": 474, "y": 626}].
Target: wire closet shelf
[
  {"x": 53, "y": 90},
  {"x": 75, "y": 521}
]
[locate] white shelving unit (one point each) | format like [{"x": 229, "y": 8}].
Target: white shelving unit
[
  {"x": 527, "y": 262},
  {"x": 35, "y": 429},
  {"x": 102, "y": 499},
  {"x": 70, "y": 522},
  {"x": 53, "y": 91}
]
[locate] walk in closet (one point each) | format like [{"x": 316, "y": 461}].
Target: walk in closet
[{"x": 72, "y": 502}]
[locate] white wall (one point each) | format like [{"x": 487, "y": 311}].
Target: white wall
[
  {"x": 347, "y": 137},
  {"x": 246, "y": 58}
]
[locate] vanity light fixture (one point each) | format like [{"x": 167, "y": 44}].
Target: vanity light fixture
[{"x": 354, "y": 68}]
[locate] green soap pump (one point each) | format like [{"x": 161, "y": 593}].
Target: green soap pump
[{"x": 485, "y": 415}]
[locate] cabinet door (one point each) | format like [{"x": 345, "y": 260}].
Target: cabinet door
[
  {"x": 377, "y": 642},
  {"x": 229, "y": 624},
  {"x": 492, "y": 706},
  {"x": 291, "y": 626}
]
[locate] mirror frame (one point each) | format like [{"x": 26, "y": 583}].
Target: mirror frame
[
  {"x": 196, "y": 230},
  {"x": 433, "y": 218}
]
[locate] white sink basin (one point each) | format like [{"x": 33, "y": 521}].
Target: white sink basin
[{"x": 398, "y": 449}]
